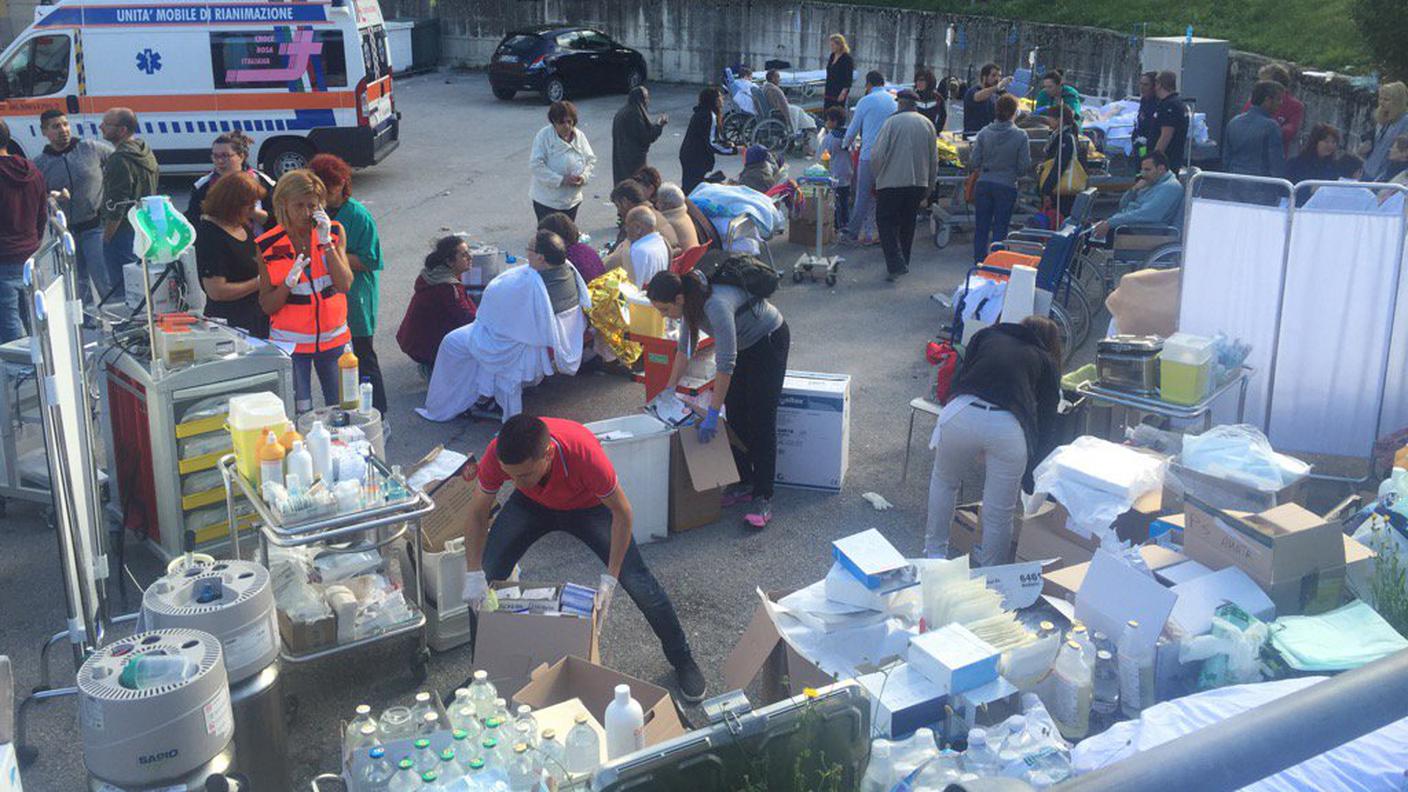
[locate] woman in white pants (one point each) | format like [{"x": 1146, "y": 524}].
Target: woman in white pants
[{"x": 1001, "y": 415}]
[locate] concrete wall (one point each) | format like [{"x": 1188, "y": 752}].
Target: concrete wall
[{"x": 691, "y": 41}]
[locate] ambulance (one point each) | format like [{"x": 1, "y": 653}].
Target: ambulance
[{"x": 300, "y": 78}]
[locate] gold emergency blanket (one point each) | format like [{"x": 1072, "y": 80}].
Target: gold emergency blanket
[{"x": 607, "y": 315}]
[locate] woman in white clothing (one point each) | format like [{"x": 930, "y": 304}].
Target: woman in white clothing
[{"x": 562, "y": 162}]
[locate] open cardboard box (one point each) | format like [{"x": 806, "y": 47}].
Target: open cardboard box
[
  {"x": 1223, "y": 493},
  {"x": 595, "y": 686},
  {"x": 698, "y": 474},
  {"x": 1043, "y": 534},
  {"x": 508, "y": 646},
  {"x": 1065, "y": 582},
  {"x": 1296, "y": 557},
  {"x": 762, "y": 655}
]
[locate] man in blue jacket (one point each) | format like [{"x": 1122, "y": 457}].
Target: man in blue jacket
[
  {"x": 1253, "y": 145},
  {"x": 1156, "y": 199}
]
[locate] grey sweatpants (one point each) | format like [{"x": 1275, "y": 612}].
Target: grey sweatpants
[
  {"x": 994, "y": 439},
  {"x": 863, "y": 212}
]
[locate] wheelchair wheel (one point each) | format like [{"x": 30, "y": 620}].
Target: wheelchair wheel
[
  {"x": 943, "y": 232},
  {"x": 1166, "y": 257},
  {"x": 1063, "y": 324},
  {"x": 771, "y": 134},
  {"x": 738, "y": 128},
  {"x": 1071, "y": 295}
]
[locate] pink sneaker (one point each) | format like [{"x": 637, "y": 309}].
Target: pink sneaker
[
  {"x": 735, "y": 495},
  {"x": 760, "y": 516}
]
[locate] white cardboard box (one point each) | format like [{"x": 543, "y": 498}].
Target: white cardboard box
[
  {"x": 953, "y": 658},
  {"x": 814, "y": 430},
  {"x": 901, "y": 700},
  {"x": 642, "y": 462}
]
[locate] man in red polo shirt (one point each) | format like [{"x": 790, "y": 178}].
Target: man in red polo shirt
[{"x": 564, "y": 482}]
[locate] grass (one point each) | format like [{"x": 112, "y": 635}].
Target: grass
[{"x": 1312, "y": 33}]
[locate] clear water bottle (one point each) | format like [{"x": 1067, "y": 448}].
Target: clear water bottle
[
  {"x": 362, "y": 718},
  {"x": 1081, "y": 636},
  {"x": 482, "y": 695},
  {"x": 942, "y": 770},
  {"x": 493, "y": 756},
  {"x": 1102, "y": 641},
  {"x": 378, "y": 771},
  {"x": 553, "y": 756},
  {"x": 406, "y": 777},
  {"x": 526, "y": 726},
  {"x": 466, "y": 747},
  {"x": 424, "y": 756},
  {"x": 522, "y": 775},
  {"x": 395, "y": 724},
  {"x": 1018, "y": 744},
  {"x": 429, "y": 724},
  {"x": 1045, "y": 628},
  {"x": 365, "y": 739},
  {"x": 430, "y": 782},
  {"x": 879, "y": 769},
  {"x": 473, "y": 767},
  {"x": 981, "y": 759},
  {"x": 1136, "y": 668},
  {"x": 1105, "y": 697},
  {"x": 1071, "y": 690},
  {"x": 500, "y": 712},
  {"x": 583, "y": 747},
  {"x": 422, "y": 705},
  {"x": 450, "y": 765}
]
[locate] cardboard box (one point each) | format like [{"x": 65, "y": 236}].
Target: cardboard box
[
  {"x": 814, "y": 431},
  {"x": 561, "y": 717},
  {"x": 953, "y": 658},
  {"x": 1065, "y": 582},
  {"x": 1043, "y": 535},
  {"x": 595, "y": 685},
  {"x": 305, "y": 637},
  {"x": 901, "y": 700},
  {"x": 1181, "y": 481},
  {"x": 510, "y": 645},
  {"x": 802, "y": 230},
  {"x": 451, "y": 496},
  {"x": 1296, "y": 557},
  {"x": 690, "y": 506},
  {"x": 762, "y": 656}
]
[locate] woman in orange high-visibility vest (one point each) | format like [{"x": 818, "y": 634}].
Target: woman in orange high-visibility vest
[{"x": 303, "y": 285}]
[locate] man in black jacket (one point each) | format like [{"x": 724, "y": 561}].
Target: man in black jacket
[{"x": 632, "y": 132}]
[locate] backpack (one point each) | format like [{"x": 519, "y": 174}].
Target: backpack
[{"x": 723, "y": 268}]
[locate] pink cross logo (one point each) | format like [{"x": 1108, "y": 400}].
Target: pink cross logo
[{"x": 297, "y": 51}]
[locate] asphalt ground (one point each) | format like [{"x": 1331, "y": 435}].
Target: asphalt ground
[{"x": 463, "y": 166}]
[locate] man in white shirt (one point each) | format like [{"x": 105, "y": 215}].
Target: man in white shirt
[{"x": 649, "y": 252}]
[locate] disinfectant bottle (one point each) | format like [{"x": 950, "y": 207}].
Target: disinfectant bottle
[
  {"x": 319, "y": 444},
  {"x": 348, "y": 379},
  {"x": 299, "y": 464},
  {"x": 271, "y": 460},
  {"x": 625, "y": 724}
]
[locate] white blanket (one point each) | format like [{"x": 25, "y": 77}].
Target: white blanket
[
  {"x": 731, "y": 200},
  {"x": 515, "y": 340}
]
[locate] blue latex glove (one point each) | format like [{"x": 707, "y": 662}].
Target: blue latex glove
[{"x": 709, "y": 426}]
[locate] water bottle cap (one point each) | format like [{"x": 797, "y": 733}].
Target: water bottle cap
[
  {"x": 367, "y": 729},
  {"x": 480, "y": 676},
  {"x": 1104, "y": 655},
  {"x": 524, "y": 709},
  {"x": 623, "y": 692},
  {"x": 377, "y": 752},
  {"x": 476, "y": 763},
  {"x": 581, "y": 718},
  {"x": 977, "y": 735},
  {"x": 430, "y": 776},
  {"x": 421, "y": 744},
  {"x": 459, "y": 734},
  {"x": 448, "y": 755},
  {"x": 490, "y": 743},
  {"x": 405, "y": 764},
  {"x": 362, "y": 709},
  {"x": 520, "y": 748},
  {"x": 549, "y": 734}
]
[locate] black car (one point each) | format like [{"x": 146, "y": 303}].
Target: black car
[{"x": 559, "y": 62}]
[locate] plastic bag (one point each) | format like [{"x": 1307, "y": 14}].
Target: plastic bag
[
  {"x": 1230, "y": 652},
  {"x": 202, "y": 444},
  {"x": 207, "y": 408},
  {"x": 1096, "y": 481},
  {"x": 201, "y": 481},
  {"x": 1241, "y": 453}
]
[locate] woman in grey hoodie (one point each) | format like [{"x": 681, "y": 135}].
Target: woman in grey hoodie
[{"x": 1001, "y": 156}]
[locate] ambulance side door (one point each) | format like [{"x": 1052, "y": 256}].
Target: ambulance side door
[{"x": 37, "y": 74}]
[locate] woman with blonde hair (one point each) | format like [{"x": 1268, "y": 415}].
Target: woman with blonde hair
[
  {"x": 840, "y": 71},
  {"x": 303, "y": 285},
  {"x": 1391, "y": 118}
]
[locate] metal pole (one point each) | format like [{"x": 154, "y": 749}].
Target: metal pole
[{"x": 1267, "y": 739}]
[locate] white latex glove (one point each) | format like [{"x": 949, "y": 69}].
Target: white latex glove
[
  {"x": 476, "y": 589},
  {"x": 604, "y": 590},
  {"x": 296, "y": 271},
  {"x": 877, "y": 501},
  {"x": 324, "y": 224}
]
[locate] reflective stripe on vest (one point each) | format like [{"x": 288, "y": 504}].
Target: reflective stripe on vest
[
  {"x": 314, "y": 315},
  {"x": 321, "y": 283},
  {"x": 292, "y": 337}
]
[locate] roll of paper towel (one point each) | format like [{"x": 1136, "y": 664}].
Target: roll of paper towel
[
  {"x": 1020, "y": 300},
  {"x": 344, "y": 606}
]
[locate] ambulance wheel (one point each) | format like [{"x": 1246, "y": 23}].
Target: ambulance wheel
[
  {"x": 555, "y": 90},
  {"x": 283, "y": 156},
  {"x": 504, "y": 93}
]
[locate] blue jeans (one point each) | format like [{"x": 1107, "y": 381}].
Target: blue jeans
[
  {"x": 117, "y": 252},
  {"x": 13, "y": 313},
  {"x": 992, "y": 213},
  {"x": 523, "y": 521},
  {"x": 92, "y": 264},
  {"x": 326, "y": 364},
  {"x": 862, "y": 189}
]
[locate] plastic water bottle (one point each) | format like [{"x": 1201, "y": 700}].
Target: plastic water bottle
[
  {"x": 492, "y": 755},
  {"x": 466, "y": 747},
  {"x": 378, "y": 771},
  {"x": 406, "y": 777},
  {"x": 1016, "y": 747},
  {"x": 625, "y": 724},
  {"x": 363, "y": 717},
  {"x": 430, "y": 782},
  {"x": 1136, "y": 668},
  {"x": 154, "y": 670},
  {"x": 525, "y": 725},
  {"x": 1105, "y": 694},
  {"x": 1081, "y": 635},
  {"x": 981, "y": 759},
  {"x": 942, "y": 770},
  {"x": 879, "y": 770},
  {"x": 451, "y": 765},
  {"x": 583, "y": 747},
  {"x": 422, "y": 705},
  {"x": 364, "y": 740},
  {"x": 319, "y": 443},
  {"x": 522, "y": 775},
  {"x": 553, "y": 756},
  {"x": 1071, "y": 691},
  {"x": 500, "y": 713},
  {"x": 424, "y": 756},
  {"x": 482, "y": 695}
]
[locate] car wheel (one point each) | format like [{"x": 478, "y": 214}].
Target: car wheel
[
  {"x": 504, "y": 93},
  {"x": 634, "y": 77},
  {"x": 286, "y": 155},
  {"x": 555, "y": 90}
]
